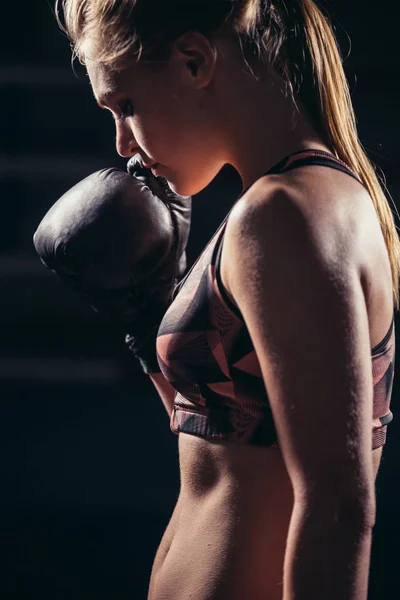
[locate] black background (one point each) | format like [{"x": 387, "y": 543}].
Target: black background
[{"x": 88, "y": 465}]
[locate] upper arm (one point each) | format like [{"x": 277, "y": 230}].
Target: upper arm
[{"x": 302, "y": 301}]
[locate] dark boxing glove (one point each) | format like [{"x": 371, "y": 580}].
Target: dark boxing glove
[{"x": 119, "y": 239}]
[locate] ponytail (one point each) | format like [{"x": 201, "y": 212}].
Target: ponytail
[{"x": 298, "y": 40}]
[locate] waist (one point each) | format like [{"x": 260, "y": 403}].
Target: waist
[
  {"x": 208, "y": 463},
  {"x": 228, "y": 525},
  {"x": 226, "y": 539}
]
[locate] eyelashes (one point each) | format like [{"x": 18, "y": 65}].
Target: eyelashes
[{"x": 126, "y": 108}]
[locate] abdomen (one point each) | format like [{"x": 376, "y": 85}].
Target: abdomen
[{"x": 228, "y": 541}]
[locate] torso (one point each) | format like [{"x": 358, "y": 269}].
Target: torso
[{"x": 227, "y": 535}]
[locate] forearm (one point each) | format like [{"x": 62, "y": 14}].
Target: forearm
[
  {"x": 165, "y": 390},
  {"x": 325, "y": 559}
]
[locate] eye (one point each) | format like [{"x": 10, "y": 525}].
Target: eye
[{"x": 126, "y": 108}]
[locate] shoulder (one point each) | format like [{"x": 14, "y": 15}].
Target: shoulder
[{"x": 276, "y": 228}]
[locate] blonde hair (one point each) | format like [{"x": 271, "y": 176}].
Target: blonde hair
[{"x": 293, "y": 36}]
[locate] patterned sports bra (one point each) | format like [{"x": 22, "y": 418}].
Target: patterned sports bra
[{"x": 206, "y": 353}]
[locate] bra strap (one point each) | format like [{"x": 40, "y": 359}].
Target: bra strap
[{"x": 311, "y": 157}]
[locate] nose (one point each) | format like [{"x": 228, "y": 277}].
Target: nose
[{"x": 125, "y": 141}]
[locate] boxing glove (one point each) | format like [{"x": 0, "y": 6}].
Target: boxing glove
[{"x": 119, "y": 239}]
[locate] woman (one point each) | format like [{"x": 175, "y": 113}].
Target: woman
[{"x": 280, "y": 339}]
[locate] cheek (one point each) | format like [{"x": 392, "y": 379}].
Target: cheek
[
  {"x": 161, "y": 134},
  {"x": 172, "y": 131}
]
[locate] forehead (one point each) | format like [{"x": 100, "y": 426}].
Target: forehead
[
  {"x": 107, "y": 82},
  {"x": 104, "y": 81}
]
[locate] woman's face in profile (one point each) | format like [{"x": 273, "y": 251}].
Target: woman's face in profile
[{"x": 163, "y": 115}]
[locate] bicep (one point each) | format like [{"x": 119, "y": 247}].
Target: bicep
[{"x": 305, "y": 311}]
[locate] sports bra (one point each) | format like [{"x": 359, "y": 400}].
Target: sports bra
[{"x": 205, "y": 351}]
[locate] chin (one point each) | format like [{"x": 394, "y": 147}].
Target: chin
[
  {"x": 186, "y": 184},
  {"x": 185, "y": 188}
]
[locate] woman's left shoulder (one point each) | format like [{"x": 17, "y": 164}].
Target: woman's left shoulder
[
  {"x": 283, "y": 215},
  {"x": 324, "y": 213}
]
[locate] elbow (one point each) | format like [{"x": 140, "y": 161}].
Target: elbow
[{"x": 357, "y": 511}]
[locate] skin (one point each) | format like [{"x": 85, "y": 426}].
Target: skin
[{"x": 200, "y": 111}]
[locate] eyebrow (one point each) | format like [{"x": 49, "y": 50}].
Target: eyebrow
[{"x": 102, "y": 100}]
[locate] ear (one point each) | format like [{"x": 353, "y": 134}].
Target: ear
[{"x": 197, "y": 56}]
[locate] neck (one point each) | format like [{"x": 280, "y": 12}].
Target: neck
[{"x": 264, "y": 126}]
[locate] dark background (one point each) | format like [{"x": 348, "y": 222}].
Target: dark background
[{"x": 88, "y": 465}]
